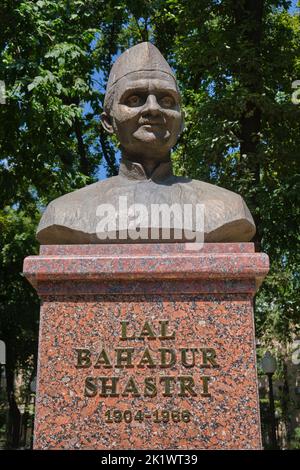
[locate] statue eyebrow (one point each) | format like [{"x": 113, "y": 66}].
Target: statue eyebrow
[{"x": 139, "y": 89}]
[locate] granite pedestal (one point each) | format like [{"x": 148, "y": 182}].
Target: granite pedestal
[{"x": 147, "y": 346}]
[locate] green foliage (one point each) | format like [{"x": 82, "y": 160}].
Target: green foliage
[
  {"x": 295, "y": 444},
  {"x": 18, "y": 302},
  {"x": 235, "y": 63},
  {"x": 47, "y": 63}
]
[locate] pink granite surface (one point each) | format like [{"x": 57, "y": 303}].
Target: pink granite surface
[{"x": 206, "y": 299}]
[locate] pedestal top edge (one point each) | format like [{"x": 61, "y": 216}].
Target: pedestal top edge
[{"x": 144, "y": 249}]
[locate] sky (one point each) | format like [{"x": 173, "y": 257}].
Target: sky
[{"x": 293, "y": 6}]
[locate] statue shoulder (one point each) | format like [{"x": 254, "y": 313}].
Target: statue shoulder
[
  {"x": 70, "y": 213},
  {"x": 227, "y": 217}
]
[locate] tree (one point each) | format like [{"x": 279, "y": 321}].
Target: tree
[
  {"x": 19, "y": 305},
  {"x": 235, "y": 62}
]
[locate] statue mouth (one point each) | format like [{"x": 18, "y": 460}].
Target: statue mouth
[{"x": 151, "y": 124}]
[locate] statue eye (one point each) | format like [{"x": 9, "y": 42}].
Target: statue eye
[
  {"x": 134, "y": 100},
  {"x": 167, "y": 102}
]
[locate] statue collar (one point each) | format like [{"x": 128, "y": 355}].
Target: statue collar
[{"x": 135, "y": 171}]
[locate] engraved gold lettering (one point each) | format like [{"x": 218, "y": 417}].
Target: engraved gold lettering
[
  {"x": 209, "y": 355},
  {"x": 146, "y": 360},
  {"x": 165, "y": 358},
  {"x": 184, "y": 359},
  {"x": 187, "y": 384},
  {"x": 131, "y": 388},
  {"x": 124, "y": 335},
  {"x": 147, "y": 331},
  {"x": 164, "y": 352},
  {"x": 103, "y": 360},
  {"x": 205, "y": 381},
  {"x": 150, "y": 387},
  {"x": 167, "y": 381},
  {"x": 108, "y": 386},
  {"x": 83, "y": 358},
  {"x": 124, "y": 355},
  {"x": 164, "y": 330},
  {"x": 90, "y": 387}
]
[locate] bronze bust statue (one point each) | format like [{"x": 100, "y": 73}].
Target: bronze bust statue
[{"x": 142, "y": 107}]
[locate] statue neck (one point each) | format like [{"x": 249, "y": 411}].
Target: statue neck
[{"x": 148, "y": 164}]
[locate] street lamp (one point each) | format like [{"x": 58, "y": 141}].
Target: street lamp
[
  {"x": 33, "y": 385},
  {"x": 2, "y": 359},
  {"x": 269, "y": 365}
]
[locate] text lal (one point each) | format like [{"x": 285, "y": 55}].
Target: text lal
[{"x": 162, "y": 358}]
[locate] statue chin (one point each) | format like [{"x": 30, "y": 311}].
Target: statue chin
[{"x": 152, "y": 135}]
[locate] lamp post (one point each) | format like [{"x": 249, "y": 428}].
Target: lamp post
[
  {"x": 33, "y": 391},
  {"x": 269, "y": 365},
  {"x": 33, "y": 385},
  {"x": 2, "y": 359}
]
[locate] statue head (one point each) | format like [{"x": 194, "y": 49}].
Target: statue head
[{"x": 142, "y": 104}]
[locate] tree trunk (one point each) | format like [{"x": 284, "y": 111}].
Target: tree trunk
[
  {"x": 84, "y": 162},
  {"x": 285, "y": 402},
  {"x": 249, "y": 19},
  {"x": 14, "y": 415}
]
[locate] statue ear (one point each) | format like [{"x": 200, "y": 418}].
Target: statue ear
[
  {"x": 106, "y": 123},
  {"x": 182, "y": 126}
]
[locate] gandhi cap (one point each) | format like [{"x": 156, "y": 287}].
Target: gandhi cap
[{"x": 142, "y": 57}]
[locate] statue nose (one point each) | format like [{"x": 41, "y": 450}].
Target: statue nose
[{"x": 152, "y": 106}]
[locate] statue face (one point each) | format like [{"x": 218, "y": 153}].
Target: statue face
[{"x": 146, "y": 114}]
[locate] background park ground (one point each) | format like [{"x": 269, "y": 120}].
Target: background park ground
[{"x": 237, "y": 63}]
